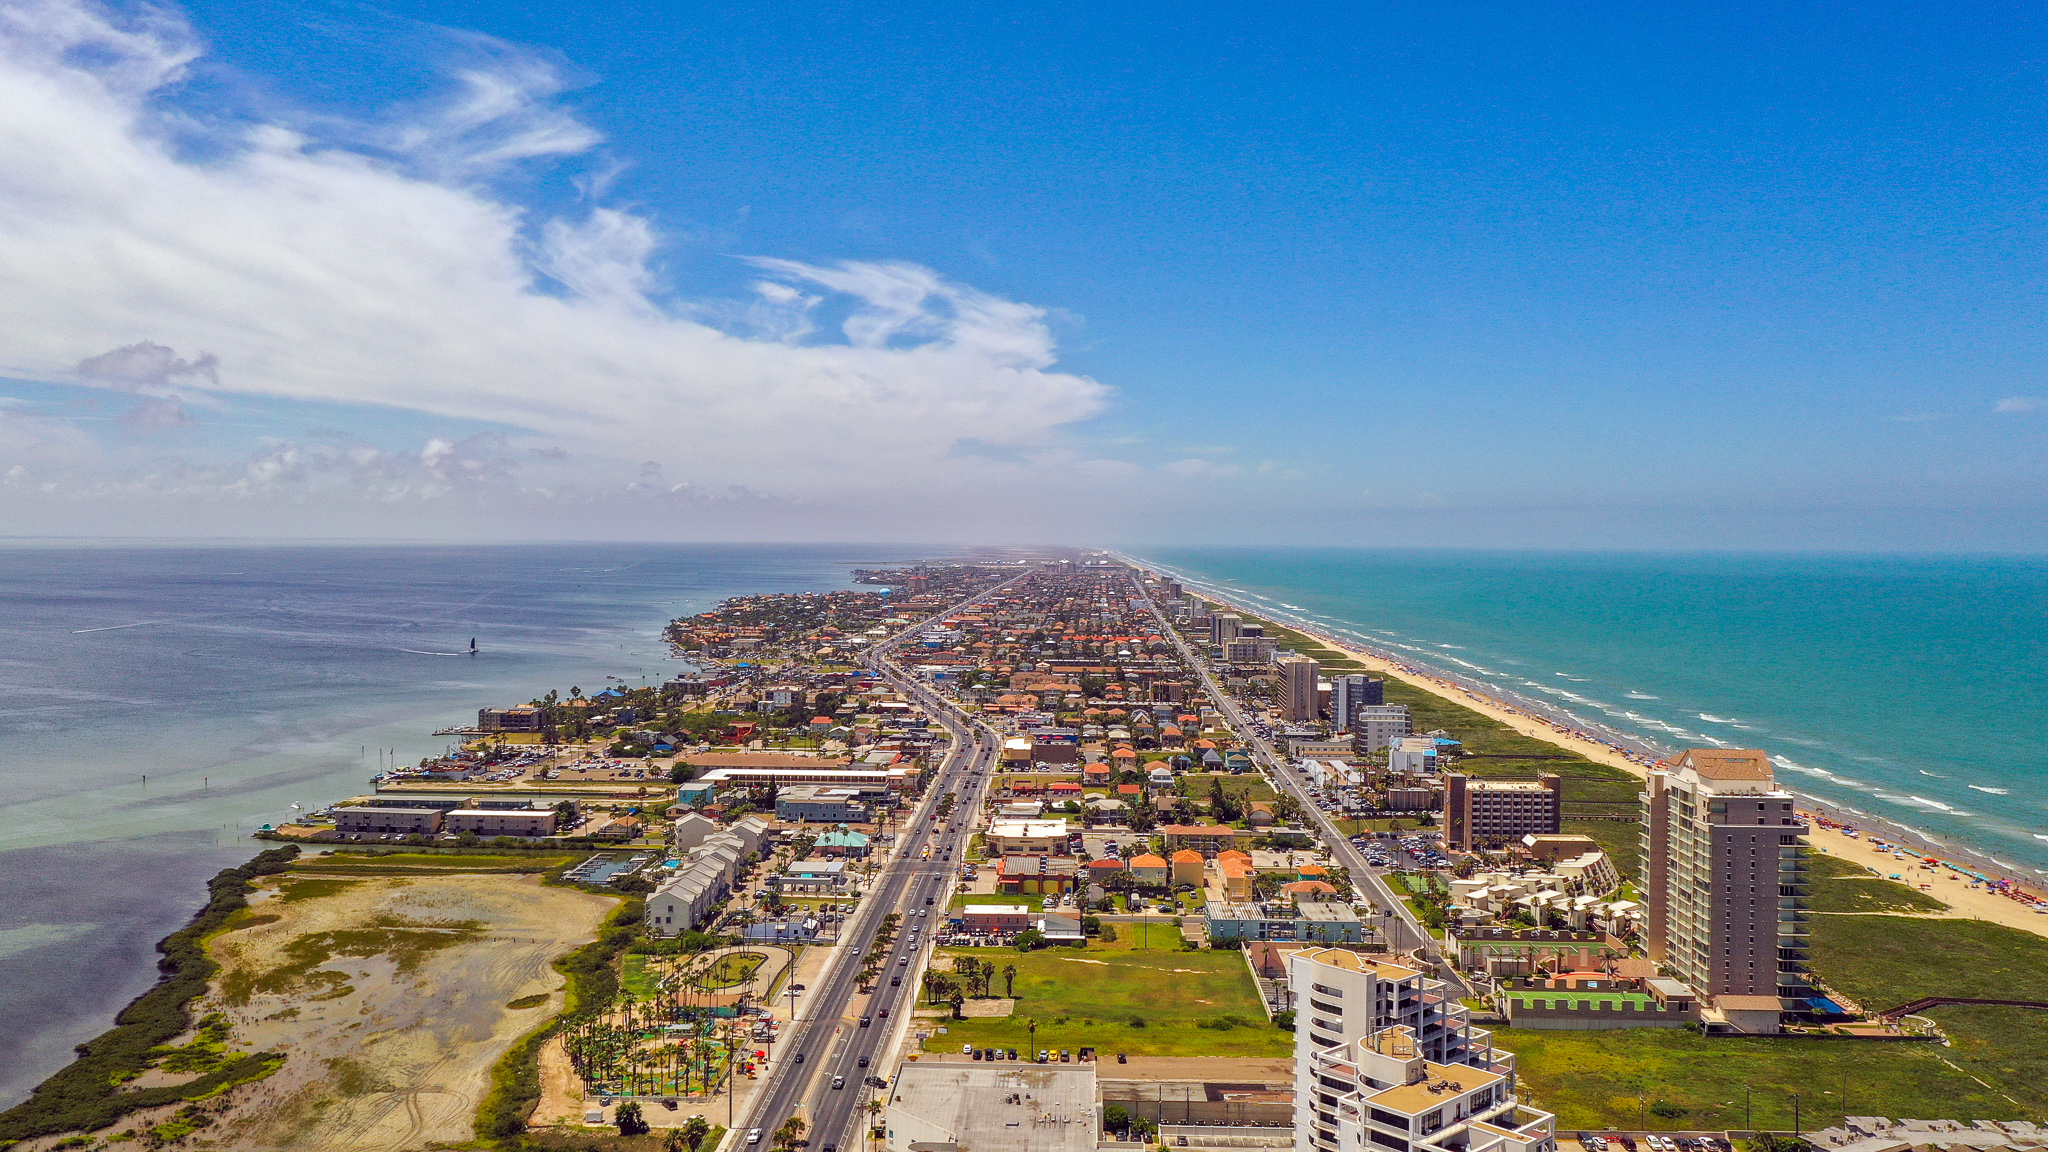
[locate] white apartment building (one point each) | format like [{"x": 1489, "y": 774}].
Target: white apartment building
[
  {"x": 1374, "y": 726},
  {"x": 1387, "y": 1060}
]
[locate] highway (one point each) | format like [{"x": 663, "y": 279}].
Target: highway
[
  {"x": 842, "y": 1035},
  {"x": 1406, "y": 927}
]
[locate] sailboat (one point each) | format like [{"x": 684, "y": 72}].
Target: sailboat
[{"x": 472, "y": 645}]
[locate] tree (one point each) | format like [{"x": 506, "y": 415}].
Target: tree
[
  {"x": 695, "y": 1131},
  {"x": 629, "y": 1120},
  {"x": 681, "y": 771},
  {"x": 1010, "y": 980},
  {"x": 957, "y": 1001},
  {"x": 1115, "y": 1118},
  {"x": 1028, "y": 939}
]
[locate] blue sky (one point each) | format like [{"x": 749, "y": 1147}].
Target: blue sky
[{"x": 1718, "y": 276}]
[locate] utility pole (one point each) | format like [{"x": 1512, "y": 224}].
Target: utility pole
[{"x": 1795, "y": 1115}]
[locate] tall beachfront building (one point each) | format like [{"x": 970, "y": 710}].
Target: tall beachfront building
[
  {"x": 1348, "y": 693},
  {"x": 1725, "y": 877},
  {"x": 1298, "y": 675},
  {"x": 1386, "y": 1058},
  {"x": 1225, "y": 627}
]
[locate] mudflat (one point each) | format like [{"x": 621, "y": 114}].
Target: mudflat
[{"x": 391, "y": 996}]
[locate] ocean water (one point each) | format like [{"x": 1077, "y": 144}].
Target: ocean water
[
  {"x": 158, "y": 703},
  {"x": 1910, "y": 689}
]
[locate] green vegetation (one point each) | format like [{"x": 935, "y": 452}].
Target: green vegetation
[
  {"x": 295, "y": 889},
  {"x": 1595, "y": 1079},
  {"x": 593, "y": 978},
  {"x": 1620, "y": 839},
  {"x": 406, "y": 942},
  {"x": 729, "y": 970},
  {"x": 1592, "y": 1079},
  {"x": 84, "y": 1095},
  {"x": 1108, "y": 997},
  {"x": 1885, "y": 961},
  {"x": 1840, "y": 885},
  {"x": 348, "y": 862},
  {"x": 533, "y": 1001},
  {"x": 1035, "y": 903}
]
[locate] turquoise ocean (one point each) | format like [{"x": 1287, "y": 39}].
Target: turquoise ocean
[{"x": 1911, "y": 690}]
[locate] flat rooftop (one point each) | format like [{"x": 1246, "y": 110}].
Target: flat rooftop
[{"x": 971, "y": 1106}]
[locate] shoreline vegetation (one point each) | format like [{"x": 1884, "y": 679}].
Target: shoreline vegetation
[
  {"x": 208, "y": 968},
  {"x": 85, "y": 1095}
]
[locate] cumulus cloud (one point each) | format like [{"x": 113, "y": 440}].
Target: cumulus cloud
[{"x": 373, "y": 266}]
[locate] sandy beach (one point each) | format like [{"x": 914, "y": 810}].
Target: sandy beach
[{"x": 1965, "y": 900}]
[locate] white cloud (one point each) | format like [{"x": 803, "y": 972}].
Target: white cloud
[
  {"x": 2019, "y": 404},
  {"x": 284, "y": 264}
]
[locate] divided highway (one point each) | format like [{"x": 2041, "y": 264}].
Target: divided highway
[{"x": 842, "y": 1036}]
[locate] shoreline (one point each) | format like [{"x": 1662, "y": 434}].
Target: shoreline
[{"x": 1607, "y": 753}]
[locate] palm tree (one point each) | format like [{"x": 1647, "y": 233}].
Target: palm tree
[
  {"x": 957, "y": 1001},
  {"x": 1010, "y": 980}
]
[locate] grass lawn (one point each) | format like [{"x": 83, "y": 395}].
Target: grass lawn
[
  {"x": 1089, "y": 998},
  {"x": 1593, "y": 1079},
  {"x": 368, "y": 863},
  {"x": 1840, "y": 885},
  {"x": 1035, "y": 903},
  {"x": 1620, "y": 839},
  {"x": 1243, "y": 789},
  {"x": 639, "y": 982}
]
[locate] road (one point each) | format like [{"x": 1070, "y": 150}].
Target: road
[
  {"x": 842, "y": 1034},
  {"x": 1403, "y": 922}
]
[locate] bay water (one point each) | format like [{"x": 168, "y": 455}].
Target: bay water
[{"x": 159, "y": 703}]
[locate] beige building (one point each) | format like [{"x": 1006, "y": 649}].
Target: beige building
[
  {"x": 1387, "y": 1058},
  {"x": 1725, "y": 879},
  {"x": 1020, "y": 837},
  {"x": 1298, "y": 676}
]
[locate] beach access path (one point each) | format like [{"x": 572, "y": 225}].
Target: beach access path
[{"x": 1964, "y": 901}]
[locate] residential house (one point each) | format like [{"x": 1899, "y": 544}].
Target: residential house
[{"x": 1149, "y": 871}]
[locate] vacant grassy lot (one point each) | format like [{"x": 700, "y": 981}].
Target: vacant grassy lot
[
  {"x": 1035, "y": 903},
  {"x": 1095, "y": 998},
  {"x": 1884, "y": 961},
  {"x": 1844, "y": 886},
  {"x": 1594, "y": 1079}
]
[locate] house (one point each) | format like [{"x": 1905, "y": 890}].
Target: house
[
  {"x": 696, "y": 793},
  {"x": 1149, "y": 870},
  {"x": 1160, "y": 778},
  {"x": 1186, "y": 867},
  {"x": 1326, "y": 923},
  {"x": 1259, "y": 814},
  {"x": 1312, "y": 872},
  {"x": 1309, "y": 890},
  {"x": 1103, "y": 870},
  {"x": 1129, "y": 792},
  {"x": 1208, "y": 839},
  {"x": 1106, "y": 811},
  {"x": 691, "y": 830},
  {"x": 1096, "y": 775},
  {"x": 1237, "y": 876},
  {"x": 618, "y": 828}
]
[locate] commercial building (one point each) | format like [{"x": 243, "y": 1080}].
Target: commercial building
[
  {"x": 1016, "y": 1107},
  {"x": 1385, "y": 1057},
  {"x": 1489, "y": 813},
  {"x": 1225, "y": 627},
  {"x": 524, "y": 718},
  {"x": 821, "y": 804},
  {"x": 1349, "y": 693},
  {"x": 1320, "y": 921},
  {"x": 1037, "y": 874},
  {"x": 380, "y": 820},
  {"x": 1024, "y": 837},
  {"x": 1725, "y": 877},
  {"x": 501, "y": 821},
  {"x": 1298, "y": 676},
  {"x": 811, "y": 877},
  {"x": 1412, "y": 756},
  {"x": 1374, "y": 726}
]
